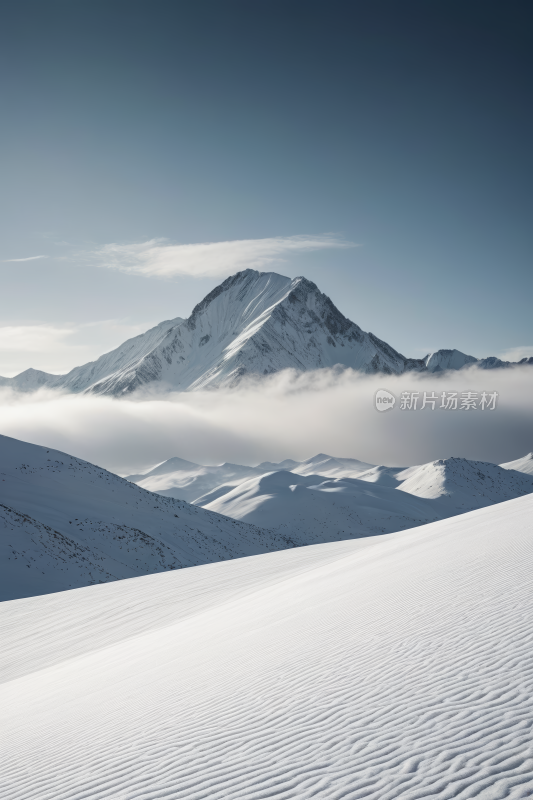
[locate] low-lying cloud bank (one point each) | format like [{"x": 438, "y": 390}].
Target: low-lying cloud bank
[{"x": 284, "y": 416}]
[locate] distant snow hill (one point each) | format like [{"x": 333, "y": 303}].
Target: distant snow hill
[
  {"x": 296, "y": 505},
  {"x": 254, "y": 323},
  {"x": 327, "y": 499},
  {"x": 524, "y": 464},
  {"x": 198, "y": 484},
  {"x": 395, "y": 667}
]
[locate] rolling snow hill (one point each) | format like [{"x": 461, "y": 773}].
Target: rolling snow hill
[
  {"x": 312, "y": 509},
  {"x": 65, "y": 523},
  {"x": 394, "y": 667},
  {"x": 195, "y": 483},
  {"x": 331, "y": 467},
  {"x": 254, "y": 323},
  {"x": 524, "y": 464},
  {"x": 185, "y": 480},
  {"x": 302, "y": 507}
]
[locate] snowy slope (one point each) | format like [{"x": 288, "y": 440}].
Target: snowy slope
[
  {"x": 65, "y": 523},
  {"x": 524, "y": 464},
  {"x": 386, "y": 476},
  {"x": 272, "y": 466},
  {"x": 382, "y": 500},
  {"x": 394, "y": 667},
  {"x": 134, "y": 354},
  {"x": 311, "y": 509}
]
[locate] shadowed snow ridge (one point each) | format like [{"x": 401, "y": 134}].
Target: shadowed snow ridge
[{"x": 65, "y": 523}]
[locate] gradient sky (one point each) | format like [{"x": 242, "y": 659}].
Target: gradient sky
[{"x": 405, "y": 127}]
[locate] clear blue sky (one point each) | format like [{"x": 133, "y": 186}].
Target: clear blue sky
[{"x": 404, "y": 127}]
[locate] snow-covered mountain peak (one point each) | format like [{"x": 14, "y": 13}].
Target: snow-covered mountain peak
[
  {"x": 255, "y": 323},
  {"x": 331, "y": 467},
  {"x": 29, "y": 381},
  {"x": 242, "y": 297},
  {"x": 271, "y": 466},
  {"x": 451, "y": 478},
  {"x": 252, "y": 324},
  {"x": 447, "y": 359},
  {"x": 174, "y": 464}
]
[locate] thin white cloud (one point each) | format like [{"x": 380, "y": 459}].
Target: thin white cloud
[
  {"x": 160, "y": 258},
  {"x": 29, "y": 258}
]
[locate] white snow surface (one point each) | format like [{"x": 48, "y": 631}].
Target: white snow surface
[
  {"x": 381, "y": 500},
  {"x": 65, "y": 523},
  {"x": 524, "y": 464},
  {"x": 392, "y": 667}
]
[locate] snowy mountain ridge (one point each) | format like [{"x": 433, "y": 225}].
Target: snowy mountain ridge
[
  {"x": 66, "y": 523},
  {"x": 303, "y": 505},
  {"x": 200, "y": 485},
  {"x": 195, "y": 483},
  {"x": 254, "y": 323}
]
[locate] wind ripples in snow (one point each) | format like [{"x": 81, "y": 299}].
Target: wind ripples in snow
[{"x": 400, "y": 669}]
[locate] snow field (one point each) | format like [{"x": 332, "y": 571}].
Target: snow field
[{"x": 395, "y": 667}]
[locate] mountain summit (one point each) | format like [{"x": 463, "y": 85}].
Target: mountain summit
[{"x": 254, "y": 323}]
